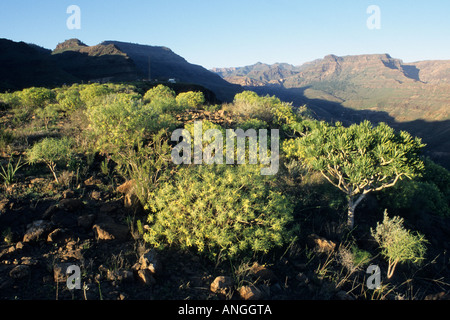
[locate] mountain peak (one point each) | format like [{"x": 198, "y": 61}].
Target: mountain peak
[{"x": 70, "y": 44}]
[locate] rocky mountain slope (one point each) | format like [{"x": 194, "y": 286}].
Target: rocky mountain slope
[{"x": 409, "y": 96}]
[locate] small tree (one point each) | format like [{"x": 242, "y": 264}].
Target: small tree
[
  {"x": 49, "y": 113},
  {"x": 397, "y": 243},
  {"x": 358, "y": 159},
  {"x": 50, "y": 151}
]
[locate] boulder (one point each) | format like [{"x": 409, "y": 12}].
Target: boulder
[
  {"x": 263, "y": 272},
  {"x": 110, "y": 231},
  {"x": 37, "y": 230},
  {"x": 250, "y": 293},
  {"x": 71, "y": 204},
  {"x": 149, "y": 260},
  {"x": 222, "y": 285},
  {"x": 59, "y": 235}
]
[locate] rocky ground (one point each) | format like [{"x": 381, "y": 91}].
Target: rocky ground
[
  {"x": 93, "y": 224},
  {"x": 94, "y": 229}
]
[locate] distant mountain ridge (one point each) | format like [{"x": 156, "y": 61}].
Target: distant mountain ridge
[
  {"x": 24, "y": 65},
  {"x": 409, "y": 96},
  {"x": 162, "y": 63},
  {"x": 332, "y": 66}
]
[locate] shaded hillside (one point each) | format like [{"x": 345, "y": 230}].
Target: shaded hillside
[
  {"x": 23, "y": 65},
  {"x": 94, "y": 63},
  {"x": 165, "y": 64}
]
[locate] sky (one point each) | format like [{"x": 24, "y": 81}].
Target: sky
[{"x": 233, "y": 33}]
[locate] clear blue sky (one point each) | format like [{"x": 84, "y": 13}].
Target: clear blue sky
[{"x": 225, "y": 33}]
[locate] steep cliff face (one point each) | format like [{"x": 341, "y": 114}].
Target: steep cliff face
[{"x": 372, "y": 70}]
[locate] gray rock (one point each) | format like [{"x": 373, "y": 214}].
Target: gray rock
[
  {"x": 37, "y": 230},
  {"x": 149, "y": 260}
]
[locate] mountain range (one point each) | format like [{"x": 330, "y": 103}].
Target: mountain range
[
  {"x": 24, "y": 65},
  {"x": 408, "y": 96}
]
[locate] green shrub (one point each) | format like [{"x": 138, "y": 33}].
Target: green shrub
[
  {"x": 48, "y": 114},
  {"x": 190, "y": 99},
  {"x": 161, "y": 99},
  {"x": 223, "y": 211},
  {"x": 33, "y": 98},
  {"x": 52, "y": 152},
  {"x": 360, "y": 257},
  {"x": 6, "y": 139},
  {"x": 93, "y": 94},
  {"x": 70, "y": 99},
  {"x": 249, "y": 104},
  {"x": 253, "y": 124},
  {"x": 159, "y": 92},
  {"x": 11, "y": 100},
  {"x": 117, "y": 125},
  {"x": 398, "y": 244},
  {"x": 147, "y": 165},
  {"x": 416, "y": 197},
  {"x": 123, "y": 122},
  {"x": 269, "y": 109},
  {"x": 427, "y": 194}
]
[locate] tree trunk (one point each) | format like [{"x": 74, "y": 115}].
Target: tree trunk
[
  {"x": 52, "y": 167},
  {"x": 391, "y": 268},
  {"x": 351, "y": 213},
  {"x": 351, "y": 209}
]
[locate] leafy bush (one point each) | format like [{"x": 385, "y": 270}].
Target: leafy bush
[
  {"x": 253, "y": 124},
  {"x": 70, "y": 99},
  {"x": 11, "y": 100},
  {"x": 190, "y": 99},
  {"x": 397, "y": 243},
  {"x": 249, "y": 104},
  {"x": 93, "y": 94},
  {"x": 159, "y": 92},
  {"x": 123, "y": 122},
  {"x": 117, "y": 125},
  {"x": 427, "y": 194},
  {"x": 223, "y": 211},
  {"x": 162, "y": 99},
  {"x": 33, "y": 98},
  {"x": 48, "y": 113},
  {"x": 51, "y": 151},
  {"x": 146, "y": 165},
  {"x": 6, "y": 138}
]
